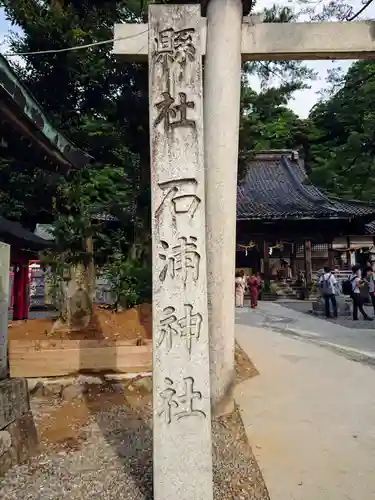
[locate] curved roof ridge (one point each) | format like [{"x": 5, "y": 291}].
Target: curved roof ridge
[
  {"x": 273, "y": 188},
  {"x": 28, "y": 106},
  {"x": 314, "y": 195}
]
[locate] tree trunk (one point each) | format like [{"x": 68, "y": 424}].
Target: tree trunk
[
  {"x": 91, "y": 268},
  {"x": 76, "y": 309}
]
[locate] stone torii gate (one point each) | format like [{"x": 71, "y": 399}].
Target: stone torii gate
[{"x": 227, "y": 38}]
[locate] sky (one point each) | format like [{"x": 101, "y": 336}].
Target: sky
[{"x": 302, "y": 100}]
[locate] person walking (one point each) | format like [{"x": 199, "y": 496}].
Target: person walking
[
  {"x": 253, "y": 282},
  {"x": 371, "y": 285},
  {"x": 356, "y": 283},
  {"x": 240, "y": 285},
  {"x": 328, "y": 288}
]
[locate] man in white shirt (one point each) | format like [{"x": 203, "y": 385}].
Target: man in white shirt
[{"x": 328, "y": 288}]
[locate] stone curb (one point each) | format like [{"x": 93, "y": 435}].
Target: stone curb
[{"x": 82, "y": 380}]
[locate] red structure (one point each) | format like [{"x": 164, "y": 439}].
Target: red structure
[
  {"x": 24, "y": 246},
  {"x": 21, "y": 289},
  {"x": 28, "y": 138}
]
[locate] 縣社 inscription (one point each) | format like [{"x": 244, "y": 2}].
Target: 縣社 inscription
[
  {"x": 181, "y": 385},
  {"x": 174, "y": 115},
  {"x": 171, "y": 46}
]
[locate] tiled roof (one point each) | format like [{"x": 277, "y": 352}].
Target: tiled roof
[
  {"x": 370, "y": 228},
  {"x": 29, "y": 110},
  {"x": 25, "y": 238},
  {"x": 277, "y": 187}
]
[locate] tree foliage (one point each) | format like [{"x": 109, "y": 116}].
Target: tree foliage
[
  {"x": 267, "y": 123},
  {"x": 99, "y": 104},
  {"x": 342, "y": 134},
  {"x": 293, "y": 75}
]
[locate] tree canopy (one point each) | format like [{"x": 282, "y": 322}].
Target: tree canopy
[
  {"x": 342, "y": 136},
  {"x": 101, "y": 104}
]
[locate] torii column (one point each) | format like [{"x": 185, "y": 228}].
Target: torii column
[
  {"x": 226, "y": 42},
  {"x": 221, "y": 105}
]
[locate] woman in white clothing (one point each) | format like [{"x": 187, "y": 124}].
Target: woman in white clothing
[{"x": 240, "y": 284}]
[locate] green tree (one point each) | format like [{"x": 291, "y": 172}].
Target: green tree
[
  {"x": 101, "y": 105},
  {"x": 266, "y": 120},
  {"x": 267, "y": 123},
  {"x": 342, "y": 135}
]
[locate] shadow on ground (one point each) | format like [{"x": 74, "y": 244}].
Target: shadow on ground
[{"x": 98, "y": 445}]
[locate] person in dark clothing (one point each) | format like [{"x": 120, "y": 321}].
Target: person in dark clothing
[
  {"x": 356, "y": 282},
  {"x": 371, "y": 285}
]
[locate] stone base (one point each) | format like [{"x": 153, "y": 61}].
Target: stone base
[
  {"x": 18, "y": 436},
  {"x": 18, "y": 442},
  {"x": 343, "y": 307}
]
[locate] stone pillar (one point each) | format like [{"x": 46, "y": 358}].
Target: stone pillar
[
  {"x": 181, "y": 376},
  {"x": 4, "y": 302},
  {"x": 18, "y": 436},
  {"x": 222, "y": 85},
  {"x": 266, "y": 262},
  {"x": 308, "y": 264}
]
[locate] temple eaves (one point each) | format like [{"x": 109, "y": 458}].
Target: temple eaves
[{"x": 19, "y": 106}]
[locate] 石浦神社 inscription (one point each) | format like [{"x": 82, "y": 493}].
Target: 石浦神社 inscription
[
  {"x": 181, "y": 384},
  {"x": 185, "y": 203},
  {"x": 187, "y": 328},
  {"x": 180, "y": 258},
  {"x": 4, "y": 303},
  {"x": 177, "y": 406}
]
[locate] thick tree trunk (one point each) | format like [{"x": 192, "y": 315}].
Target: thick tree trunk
[{"x": 76, "y": 309}]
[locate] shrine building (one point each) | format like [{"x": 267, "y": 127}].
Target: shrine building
[
  {"x": 27, "y": 139},
  {"x": 286, "y": 225}
]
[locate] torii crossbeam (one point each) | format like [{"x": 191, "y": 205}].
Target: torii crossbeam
[{"x": 272, "y": 41}]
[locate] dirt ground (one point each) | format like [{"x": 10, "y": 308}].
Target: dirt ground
[
  {"x": 129, "y": 324},
  {"x": 99, "y": 445},
  {"x": 243, "y": 365},
  {"x": 59, "y": 423}
]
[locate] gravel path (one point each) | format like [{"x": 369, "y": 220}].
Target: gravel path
[
  {"x": 114, "y": 462},
  {"x": 100, "y": 448}
]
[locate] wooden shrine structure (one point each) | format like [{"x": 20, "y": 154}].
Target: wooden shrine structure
[
  {"x": 28, "y": 138},
  {"x": 280, "y": 215}
]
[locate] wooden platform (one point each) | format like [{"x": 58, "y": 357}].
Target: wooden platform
[{"x": 55, "y": 358}]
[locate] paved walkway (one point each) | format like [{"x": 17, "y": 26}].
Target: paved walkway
[
  {"x": 305, "y": 306},
  {"x": 357, "y": 344},
  {"x": 310, "y": 418}
]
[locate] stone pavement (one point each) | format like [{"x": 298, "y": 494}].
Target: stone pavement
[
  {"x": 305, "y": 306},
  {"x": 309, "y": 416},
  {"x": 355, "y": 343}
]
